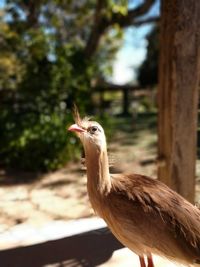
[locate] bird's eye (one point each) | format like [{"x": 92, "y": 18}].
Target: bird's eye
[{"x": 93, "y": 129}]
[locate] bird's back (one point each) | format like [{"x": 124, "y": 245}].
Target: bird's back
[{"x": 148, "y": 217}]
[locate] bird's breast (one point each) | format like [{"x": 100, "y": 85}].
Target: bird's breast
[{"x": 124, "y": 229}]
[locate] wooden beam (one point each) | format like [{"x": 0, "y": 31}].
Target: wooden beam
[{"x": 114, "y": 87}]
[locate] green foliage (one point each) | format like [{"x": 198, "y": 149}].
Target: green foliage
[
  {"x": 116, "y": 6},
  {"x": 34, "y": 127},
  {"x": 35, "y": 142},
  {"x": 11, "y": 68},
  {"x": 43, "y": 72}
]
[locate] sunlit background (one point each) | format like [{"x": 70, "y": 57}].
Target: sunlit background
[{"x": 48, "y": 61}]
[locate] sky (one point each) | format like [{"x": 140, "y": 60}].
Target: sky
[
  {"x": 130, "y": 56},
  {"x": 2, "y": 3},
  {"x": 133, "y": 50}
]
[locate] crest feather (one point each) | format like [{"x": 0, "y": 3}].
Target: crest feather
[
  {"x": 76, "y": 115},
  {"x": 77, "y": 118}
]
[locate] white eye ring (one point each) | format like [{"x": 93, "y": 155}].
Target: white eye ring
[{"x": 93, "y": 129}]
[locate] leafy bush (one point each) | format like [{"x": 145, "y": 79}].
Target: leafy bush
[
  {"x": 33, "y": 123},
  {"x": 32, "y": 143},
  {"x": 43, "y": 72}
]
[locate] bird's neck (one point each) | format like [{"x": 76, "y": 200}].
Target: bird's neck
[{"x": 98, "y": 171}]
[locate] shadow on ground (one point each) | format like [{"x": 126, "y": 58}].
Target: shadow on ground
[{"x": 89, "y": 249}]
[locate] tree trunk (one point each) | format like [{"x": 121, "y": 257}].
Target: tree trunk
[{"x": 178, "y": 94}]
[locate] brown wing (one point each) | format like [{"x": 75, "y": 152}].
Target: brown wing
[{"x": 164, "y": 209}]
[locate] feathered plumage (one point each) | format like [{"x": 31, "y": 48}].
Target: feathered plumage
[{"x": 143, "y": 213}]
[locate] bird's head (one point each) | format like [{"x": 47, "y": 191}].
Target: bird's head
[{"x": 90, "y": 133}]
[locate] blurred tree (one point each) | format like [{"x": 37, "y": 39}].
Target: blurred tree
[
  {"x": 46, "y": 63},
  {"x": 148, "y": 71},
  {"x": 11, "y": 68}
]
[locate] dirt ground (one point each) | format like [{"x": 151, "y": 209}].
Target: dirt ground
[{"x": 61, "y": 195}]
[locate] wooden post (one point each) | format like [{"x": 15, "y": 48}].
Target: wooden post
[
  {"x": 179, "y": 73},
  {"x": 126, "y": 102}
]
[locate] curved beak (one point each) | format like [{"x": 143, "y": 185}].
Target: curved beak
[{"x": 76, "y": 128}]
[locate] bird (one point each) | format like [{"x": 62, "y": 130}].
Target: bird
[{"x": 143, "y": 213}]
